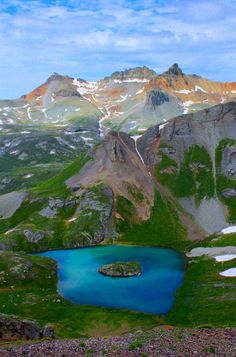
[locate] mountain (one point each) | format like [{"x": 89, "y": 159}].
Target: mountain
[
  {"x": 174, "y": 186},
  {"x": 188, "y": 163},
  {"x": 119, "y": 101},
  {"x": 48, "y": 127}
]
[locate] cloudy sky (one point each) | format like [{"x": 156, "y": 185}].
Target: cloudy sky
[{"x": 91, "y": 39}]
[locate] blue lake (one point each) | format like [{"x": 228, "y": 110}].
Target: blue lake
[{"x": 152, "y": 292}]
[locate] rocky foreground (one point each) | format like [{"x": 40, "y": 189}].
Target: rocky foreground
[{"x": 164, "y": 341}]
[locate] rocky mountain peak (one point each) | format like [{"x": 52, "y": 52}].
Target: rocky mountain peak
[
  {"x": 131, "y": 73},
  {"x": 174, "y": 70},
  {"x": 57, "y": 77}
]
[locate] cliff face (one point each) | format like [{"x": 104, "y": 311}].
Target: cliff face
[
  {"x": 117, "y": 164},
  {"x": 194, "y": 156},
  {"x": 205, "y": 128},
  {"x": 188, "y": 161}
]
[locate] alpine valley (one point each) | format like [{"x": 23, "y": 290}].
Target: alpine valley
[{"x": 139, "y": 160}]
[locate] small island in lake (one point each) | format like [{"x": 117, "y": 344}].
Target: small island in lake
[{"x": 121, "y": 269}]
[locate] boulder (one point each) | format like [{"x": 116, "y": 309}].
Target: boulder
[{"x": 13, "y": 328}]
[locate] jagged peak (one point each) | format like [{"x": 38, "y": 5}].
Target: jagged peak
[
  {"x": 137, "y": 72},
  {"x": 57, "y": 77},
  {"x": 174, "y": 70}
]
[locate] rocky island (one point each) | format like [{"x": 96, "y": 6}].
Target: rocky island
[{"x": 121, "y": 269}]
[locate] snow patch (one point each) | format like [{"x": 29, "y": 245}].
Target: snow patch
[
  {"x": 139, "y": 91},
  {"x": 188, "y": 103},
  {"x": 162, "y": 126},
  {"x": 229, "y": 273},
  {"x": 28, "y": 176},
  {"x": 28, "y": 112},
  {"x": 197, "y": 88},
  {"x": 85, "y": 87},
  {"x": 225, "y": 257},
  {"x": 132, "y": 80},
  {"x": 228, "y": 230},
  {"x": 123, "y": 98},
  {"x": 183, "y": 91},
  {"x": 86, "y": 139},
  {"x": 135, "y": 138},
  {"x": 72, "y": 219}
]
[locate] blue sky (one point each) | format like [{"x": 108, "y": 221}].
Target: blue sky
[{"x": 91, "y": 39}]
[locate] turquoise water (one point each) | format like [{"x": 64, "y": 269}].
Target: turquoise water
[{"x": 153, "y": 291}]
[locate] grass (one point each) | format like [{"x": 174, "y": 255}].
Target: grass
[
  {"x": 216, "y": 241},
  {"x": 205, "y": 298},
  {"x": 56, "y": 186},
  {"x": 162, "y": 229},
  {"x": 32, "y": 293},
  {"x": 193, "y": 177},
  {"x": 135, "y": 193}
]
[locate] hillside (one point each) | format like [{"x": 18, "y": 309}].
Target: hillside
[
  {"x": 173, "y": 187},
  {"x": 50, "y": 126}
]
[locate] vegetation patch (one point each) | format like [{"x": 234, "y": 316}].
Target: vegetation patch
[
  {"x": 163, "y": 228},
  {"x": 223, "y": 181},
  {"x": 135, "y": 192},
  {"x": 56, "y": 186},
  {"x": 193, "y": 177},
  {"x": 203, "y": 295}
]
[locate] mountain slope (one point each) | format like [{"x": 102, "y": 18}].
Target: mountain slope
[{"x": 193, "y": 155}]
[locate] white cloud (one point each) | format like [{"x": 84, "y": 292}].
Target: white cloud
[{"x": 91, "y": 39}]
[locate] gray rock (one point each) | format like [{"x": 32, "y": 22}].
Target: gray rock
[
  {"x": 33, "y": 236},
  {"x": 13, "y": 328},
  {"x": 156, "y": 98},
  {"x": 10, "y": 202},
  {"x": 138, "y": 72},
  {"x": 48, "y": 331},
  {"x": 67, "y": 93},
  {"x": 97, "y": 206},
  {"x": 228, "y": 164}
]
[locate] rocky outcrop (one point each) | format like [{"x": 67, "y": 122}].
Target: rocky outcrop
[
  {"x": 33, "y": 236},
  {"x": 98, "y": 202},
  {"x": 18, "y": 268},
  {"x": 133, "y": 73},
  {"x": 204, "y": 128},
  {"x": 117, "y": 164},
  {"x": 156, "y": 98},
  {"x": 57, "y": 77},
  {"x": 67, "y": 93},
  {"x": 148, "y": 144},
  {"x": 10, "y": 202},
  {"x": 121, "y": 269},
  {"x": 174, "y": 70},
  {"x": 13, "y": 328},
  {"x": 55, "y": 204},
  {"x": 228, "y": 163}
]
